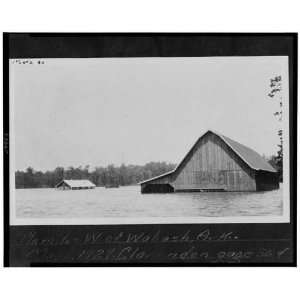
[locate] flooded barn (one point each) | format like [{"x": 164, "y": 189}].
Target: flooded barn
[
  {"x": 75, "y": 184},
  {"x": 216, "y": 163}
]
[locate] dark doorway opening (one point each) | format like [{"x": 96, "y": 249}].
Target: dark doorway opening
[{"x": 157, "y": 188}]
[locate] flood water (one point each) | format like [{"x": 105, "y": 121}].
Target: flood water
[{"x": 129, "y": 202}]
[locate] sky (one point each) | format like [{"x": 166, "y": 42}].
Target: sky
[{"x": 100, "y": 111}]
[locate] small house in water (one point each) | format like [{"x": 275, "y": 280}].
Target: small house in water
[
  {"x": 75, "y": 184},
  {"x": 216, "y": 163}
]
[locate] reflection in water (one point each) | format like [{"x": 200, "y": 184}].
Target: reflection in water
[{"x": 129, "y": 202}]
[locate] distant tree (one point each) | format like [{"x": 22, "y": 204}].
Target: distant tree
[
  {"x": 276, "y": 94},
  {"x": 59, "y": 174},
  {"x": 20, "y": 179},
  {"x": 86, "y": 171},
  {"x": 100, "y": 176},
  {"x": 273, "y": 161},
  {"x": 29, "y": 178}
]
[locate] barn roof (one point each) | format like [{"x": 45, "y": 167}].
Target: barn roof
[
  {"x": 249, "y": 156},
  {"x": 77, "y": 183},
  {"x": 159, "y": 176}
]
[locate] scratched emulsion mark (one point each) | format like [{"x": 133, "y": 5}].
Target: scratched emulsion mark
[
  {"x": 237, "y": 255},
  {"x": 28, "y": 61},
  {"x": 96, "y": 246},
  {"x": 33, "y": 238}
]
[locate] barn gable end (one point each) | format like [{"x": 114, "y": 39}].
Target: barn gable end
[
  {"x": 216, "y": 163},
  {"x": 212, "y": 165}
]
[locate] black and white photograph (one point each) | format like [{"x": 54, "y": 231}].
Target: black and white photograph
[
  {"x": 150, "y": 149},
  {"x": 149, "y": 140}
]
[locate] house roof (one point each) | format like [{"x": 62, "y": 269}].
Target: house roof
[
  {"x": 77, "y": 183},
  {"x": 250, "y": 157}
]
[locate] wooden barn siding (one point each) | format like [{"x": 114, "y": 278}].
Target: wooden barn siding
[
  {"x": 159, "y": 181},
  {"x": 266, "y": 181},
  {"x": 211, "y": 165}
]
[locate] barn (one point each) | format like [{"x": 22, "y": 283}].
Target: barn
[
  {"x": 216, "y": 163},
  {"x": 75, "y": 184}
]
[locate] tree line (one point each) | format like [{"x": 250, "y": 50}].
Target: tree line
[{"x": 100, "y": 176}]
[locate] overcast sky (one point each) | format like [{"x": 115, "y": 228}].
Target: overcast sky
[{"x": 77, "y": 112}]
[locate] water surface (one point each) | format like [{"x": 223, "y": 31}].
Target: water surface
[{"x": 129, "y": 202}]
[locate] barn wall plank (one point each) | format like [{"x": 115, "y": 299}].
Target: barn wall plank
[{"x": 213, "y": 165}]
